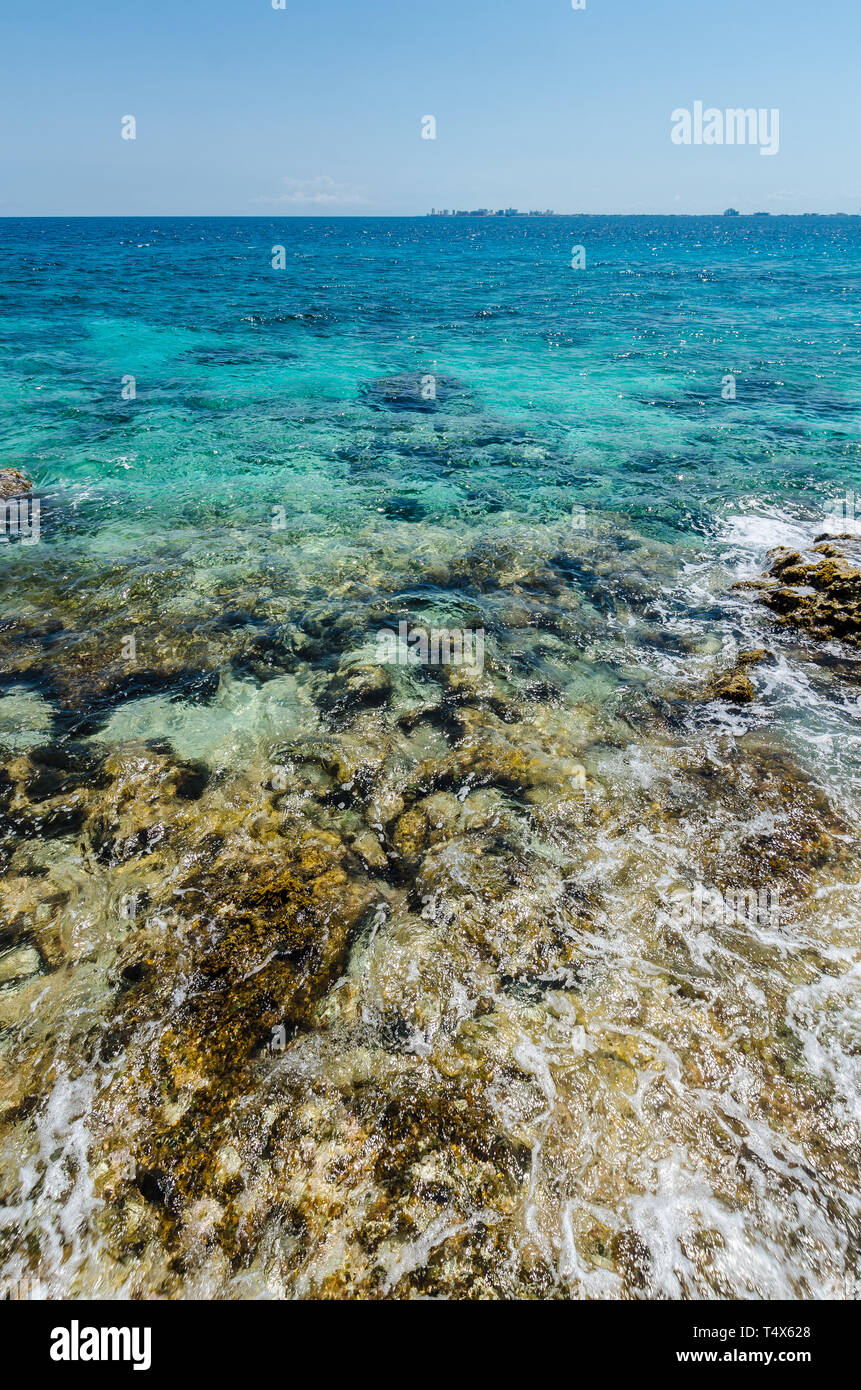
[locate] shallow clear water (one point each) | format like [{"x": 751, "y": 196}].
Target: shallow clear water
[{"x": 506, "y": 1072}]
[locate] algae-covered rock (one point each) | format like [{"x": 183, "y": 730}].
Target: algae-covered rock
[
  {"x": 490, "y": 751},
  {"x": 755, "y": 657},
  {"x": 13, "y": 482},
  {"x": 262, "y": 946},
  {"x": 410, "y": 834},
  {"x": 733, "y": 688},
  {"x": 818, "y": 591},
  {"x": 372, "y": 1007}
]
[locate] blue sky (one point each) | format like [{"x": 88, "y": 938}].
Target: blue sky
[{"x": 316, "y": 109}]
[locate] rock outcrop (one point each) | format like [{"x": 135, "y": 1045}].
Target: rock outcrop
[
  {"x": 13, "y": 482},
  {"x": 818, "y": 591},
  {"x": 735, "y": 687}
]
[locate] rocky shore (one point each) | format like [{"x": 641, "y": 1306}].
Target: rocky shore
[
  {"x": 817, "y": 591},
  {"x": 388, "y": 1005}
]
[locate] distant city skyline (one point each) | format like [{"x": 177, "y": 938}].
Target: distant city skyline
[
  {"x": 491, "y": 212},
  {"x": 391, "y": 109}
]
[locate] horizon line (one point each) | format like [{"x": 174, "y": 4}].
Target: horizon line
[{"x": 380, "y": 216}]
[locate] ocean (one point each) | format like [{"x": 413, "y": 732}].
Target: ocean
[{"x": 324, "y": 974}]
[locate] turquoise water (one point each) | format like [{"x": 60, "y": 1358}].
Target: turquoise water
[
  {"x": 603, "y": 384},
  {"x": 578, "y": 482},
  {"x": 599, "y": 389}
]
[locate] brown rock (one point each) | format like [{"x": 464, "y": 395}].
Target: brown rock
[
  {"x": 13, "y": 482},
  {"x": 368, "y": 847},
  {"x": 818, "y": 591},
  {"x": 733, "y": 687},
  {"x": 410, "y": 834},
  {"x": 754, "y": 658}
]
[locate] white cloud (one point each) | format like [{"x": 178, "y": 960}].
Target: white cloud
[{"x": 319, "y": 192}]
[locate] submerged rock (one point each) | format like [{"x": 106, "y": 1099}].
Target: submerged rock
[
  {"x": 410, "y": 834},
  {"x": 424, "y": 391},
  {"x": 382, "y": 1006},
  {"x": 18, "y": 964},
  {"x": 260, "y": 944}
]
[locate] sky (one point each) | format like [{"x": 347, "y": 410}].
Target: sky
[{"x": 242, "y": 109}]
